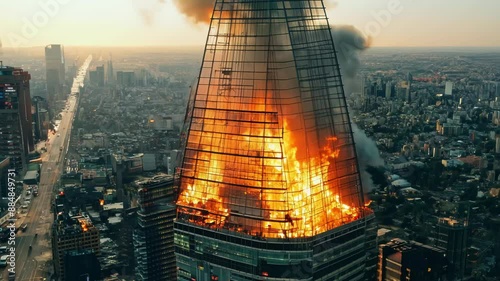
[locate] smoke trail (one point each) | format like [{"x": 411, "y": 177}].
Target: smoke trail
[
  {"x": 349, "y": 43},
  {"x": 368, "y": 155}
]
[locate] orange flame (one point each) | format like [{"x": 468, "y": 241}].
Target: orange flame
[{"x": 281, "y": 192}]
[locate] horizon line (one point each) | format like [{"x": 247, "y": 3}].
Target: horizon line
[{"x": 202, "y": 46}]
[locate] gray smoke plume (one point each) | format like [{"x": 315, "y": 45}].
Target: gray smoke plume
[
  {"x": 349, "y": 43},
  {"x": 368, "y": 155}
]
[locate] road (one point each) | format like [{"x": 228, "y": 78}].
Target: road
[{"x": 30, "y": 264}]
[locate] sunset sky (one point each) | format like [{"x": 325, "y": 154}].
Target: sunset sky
[{"x": 159, "y": 22}]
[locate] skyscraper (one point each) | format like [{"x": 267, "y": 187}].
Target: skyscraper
[
  {"x": 110, "y": 76},
  {"x": 388, "y": 90},
  {"x": 96, "y": 77},
  {"x": 16, "y": 138},
  {"x": 409, "y": 81},
  {"x": 451, "y": 236},
  {"x": 154, "y": 237},
  {"x": 448, "y": 91},
  {"x": 269, "y": 183},
  {"x": 55, "y": 72}
]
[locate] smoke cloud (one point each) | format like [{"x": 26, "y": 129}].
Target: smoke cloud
[
  {"x": 349, "y": 43},
  {"x": 199, "y": 11},
  {"x": 368, "y": 156}
]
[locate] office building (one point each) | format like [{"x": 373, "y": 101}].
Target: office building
[
  {"x": 82, "y": 265},
  {"x": 388, "y": 90},
  {"x": 55, "y": 72},
  {"x": 154, "y": 236},
  {"x": 125, "y": 78},
  {"x": 448, "y": 91},
  {"x": 96, "y": 77},
  {"x": 400, "y": 260},
  {"x": 16, "y": 132},
  {"x": 40, "y": 118},
  {"x": 71, "y": 232},
  {"x": 110, "y": 76},
  {"x": 254, "y": 204},
  {"x": 451, "y": 236}
]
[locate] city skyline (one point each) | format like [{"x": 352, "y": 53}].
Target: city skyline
[
  {"x": 246, "y": 140},
  {"x": 389, "y": 23}
]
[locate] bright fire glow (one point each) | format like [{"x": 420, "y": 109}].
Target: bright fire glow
[{"x": 268, "y": 192}]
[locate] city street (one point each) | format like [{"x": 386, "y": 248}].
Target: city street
[{"x": 31, "y": 263}]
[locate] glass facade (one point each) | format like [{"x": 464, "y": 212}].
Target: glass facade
[
  {"x": 269, "y": 163},
  {"x": 154, "y": 236}
]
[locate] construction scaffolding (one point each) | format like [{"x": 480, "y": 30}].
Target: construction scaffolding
[{"x": 269, "y": 150}]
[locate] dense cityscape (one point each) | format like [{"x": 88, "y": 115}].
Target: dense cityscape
[{"x": 253, "y": 158}]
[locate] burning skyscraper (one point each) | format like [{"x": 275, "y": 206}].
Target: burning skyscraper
[{"x": 269, "y": 183}]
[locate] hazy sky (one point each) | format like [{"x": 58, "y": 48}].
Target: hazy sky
[{"x": 158, "y": 22}]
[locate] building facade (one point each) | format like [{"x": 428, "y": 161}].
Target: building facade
[
  {"x": 71, "y": 233},
  {"x": 82, "y": 265},
  {"x": 55, "y": 72},
  {"x": 154, "y": 236},
  {"x": 400, "y": 260},
  {"x": 451, "y": 236},
  {"x": 269, "y": 182},
  {"x": 16, "y": 138}
]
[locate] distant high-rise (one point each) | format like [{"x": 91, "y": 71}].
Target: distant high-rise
[
  {"x": 110, "y": 77},
  {"x": 448, "y": 91},
  {"x": 40, "y": 118},
  {"x": 400, "y": 260},
  {"x": 125, "y": 78},
  {"x": 388, "y": 90},
  {"x": 16, "y": 130},
  {"x": 451, "y": 236},
  {"x": 269, "y": 185},
  {"x": 55, "y": 72},
  {"x": 409, "y": 80},
  {"x": 97, "y": 76},
  {"x": 154, "y": 237}
]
